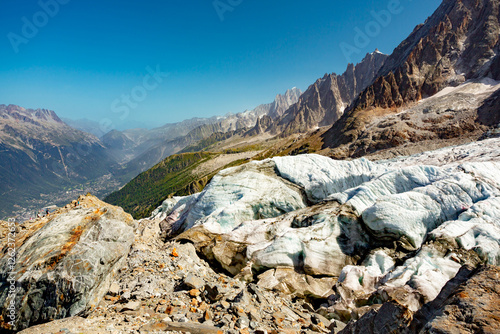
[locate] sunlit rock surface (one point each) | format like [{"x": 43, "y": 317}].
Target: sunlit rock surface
[{"x": 65, "y": 262}]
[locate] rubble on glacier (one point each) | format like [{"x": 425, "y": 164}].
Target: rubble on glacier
[{"x": 350, "y": 212}]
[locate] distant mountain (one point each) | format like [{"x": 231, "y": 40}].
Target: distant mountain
[
  {"x": 324, "y": 101},
  {"x": 129, "y": 144},
  {"x": 85, "y": 125},
  {"x": 141, "y": 150},
  {"x": 41, "y": 154},
  {"x": 281, "y": 103}
]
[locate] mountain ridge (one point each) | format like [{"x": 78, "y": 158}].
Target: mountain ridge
[{"x": 324, "y": 101}]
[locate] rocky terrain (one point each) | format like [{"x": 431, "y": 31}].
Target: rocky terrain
[
  {"x": 324, "y": 102},
  {"x": 450, "y": 117},
  {"x": 437, "y": 86},
  {"x": 284, "y": 245}
]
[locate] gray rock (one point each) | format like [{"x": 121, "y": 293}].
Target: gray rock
[
  {"x": 125, "y": 295},
  {"x": 194, "y": 282},
  {"x": 319, "y": 318},
  {"x": 114, "y": 289},
  {"x": 131, "y": 306},
  {"x": 177, "y": 302},
  {"x": 243, "y": 322},
  {"x": 66, "y": 265}
]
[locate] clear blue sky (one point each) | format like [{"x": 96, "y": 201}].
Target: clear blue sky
[{"x": 91, "y": 53}]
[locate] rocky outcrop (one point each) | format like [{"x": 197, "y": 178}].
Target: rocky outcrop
[
  {"x": 472, "y": 306},
  {"x": 323, "y": 103},
  {"x": 456, "y": 47},
  {"x": 64, "y": 262}
]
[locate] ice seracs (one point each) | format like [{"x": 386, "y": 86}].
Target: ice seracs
[{"x": 404, "y": 226}]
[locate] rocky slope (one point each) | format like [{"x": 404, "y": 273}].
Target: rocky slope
[
  {"x": 64, "y": 262},
  {"x": 447, "y": 118},
  {"x": 457, "y": 43},
  {"x": 40, "y": 154},
  {"x": 324, "y": 101},
  {"x": 456, "y": 47}
]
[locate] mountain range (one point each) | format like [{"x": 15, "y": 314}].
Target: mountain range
[
  {"x": 42, "y": 155},
  {"x": 370, "y": 203},
  {"x": 45, "y": 161}
]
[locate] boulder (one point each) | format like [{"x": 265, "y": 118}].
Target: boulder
[{"x": 65, "y": 263}]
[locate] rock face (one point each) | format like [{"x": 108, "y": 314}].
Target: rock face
[
  {"x": 65, "y": 262},
  {"x": 395, "y": 229},
  {"x": 458, "y": 42},
  {"x": 283, "y": 102},
  {"x": 451, "y": 58},
  {"x": 324, "y": 101},
  {"x": 473, "y": 306}
]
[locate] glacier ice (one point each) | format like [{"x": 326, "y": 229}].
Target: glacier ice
[
  {"x": 249, "y": 192},
  {"x": 321, "y": 176},
  {"x": 376, "y": 226}
]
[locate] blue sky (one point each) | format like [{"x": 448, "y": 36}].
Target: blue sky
[{"x": 84, "y": 57}]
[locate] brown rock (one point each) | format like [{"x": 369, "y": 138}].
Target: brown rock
[
  {"x": 468, "y": 303},
  {"x": 194, "y": 292},
  {"x": 174, "y": 253},
  {"x": 190, "y": 327}
]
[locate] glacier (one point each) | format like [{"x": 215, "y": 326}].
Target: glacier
[{"x": 386, "y": 228}]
